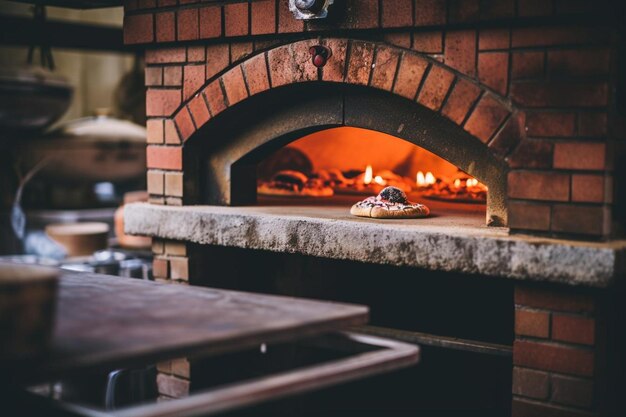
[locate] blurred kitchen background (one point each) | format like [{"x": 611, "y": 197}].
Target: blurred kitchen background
[
  {"x": 72, "y": 137},
  {"x": 94, "y": 74}
]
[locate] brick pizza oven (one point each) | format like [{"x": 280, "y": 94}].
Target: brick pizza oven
[{"x": 526, "y": 96}]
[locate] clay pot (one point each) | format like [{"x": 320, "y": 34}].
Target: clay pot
[
  {"x": 27, "y": 304},
  {"x": 80, "y": 239}
]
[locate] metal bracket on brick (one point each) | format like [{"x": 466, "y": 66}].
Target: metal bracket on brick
[{"x": 310, "y": 9}]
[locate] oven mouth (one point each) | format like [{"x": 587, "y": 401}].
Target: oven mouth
[
  {"x": 230, "y": 148},
  {"x": 338, "y": 167}
]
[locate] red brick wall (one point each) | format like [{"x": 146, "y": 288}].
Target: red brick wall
[
  {"x": 548, "y": 65},
  {"x": 171, "y": 265},
  {"x": 173, "y": 379},
  {"x": 558, "y": 353},
  {"x": 171, "y": 262}
]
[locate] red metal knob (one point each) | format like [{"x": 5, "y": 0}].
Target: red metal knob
[
  {"x": 320, "y": 55},
  {"x": 319, "y": 61}
]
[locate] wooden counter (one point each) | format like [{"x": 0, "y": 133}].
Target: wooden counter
[{"x": 104, "y": 321}]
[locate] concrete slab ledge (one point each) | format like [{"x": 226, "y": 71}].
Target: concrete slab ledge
[{"x": 424, "y": 243}]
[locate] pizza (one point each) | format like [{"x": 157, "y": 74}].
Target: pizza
[
  {"x": 289, "y": 183},
  {"x": 390, "y": 203},
  {"x": 456, "y": 192},
  {"x": 331, "y": 177}
]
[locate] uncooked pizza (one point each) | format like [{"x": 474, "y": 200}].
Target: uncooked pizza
[
  {"x": 289, "y": 183},
  {"x": 390, "y": 203}
]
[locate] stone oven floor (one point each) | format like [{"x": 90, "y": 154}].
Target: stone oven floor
[
  {"x": 338, "y": 207},
  {"x": 454, "y": 238}
]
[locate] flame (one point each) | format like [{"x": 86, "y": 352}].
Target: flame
[
  {"x": 425, "y": 180},
  {"x": 379, "y": 180},
  {"x": 367, "y": 179},
  {"x": 420, "y": 180},
  {"x": 468, "y": 183}
]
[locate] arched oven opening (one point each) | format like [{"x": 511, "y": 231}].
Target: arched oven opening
[
  {"x": 347, "y": 143},
  {"x": 334, "y": 168}
]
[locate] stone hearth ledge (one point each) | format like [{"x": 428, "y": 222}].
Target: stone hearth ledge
[{"x": 418, "y": 243}]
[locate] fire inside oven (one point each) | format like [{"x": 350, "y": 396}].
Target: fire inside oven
[{"x": 345, "y": 164}]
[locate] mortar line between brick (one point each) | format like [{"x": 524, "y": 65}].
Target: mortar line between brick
[
  {"x": 266, "y": 59},
  {"x": 472, "y": 108},
  {"x": 555, "y": 343},
  {"x": 499, "y": 129},
  {"x": 193, "y": 121},
  {"x": 397, "y": 70},
  {"x": 448, "y": 94},
  {"x": 245, "y": 80},
  {"x": 346, "y": 64},
  {"x": 558, "y": 406},
  {"x": 206, "y": 103},
  {"x": 422, "y": 81},
  {"x": 373, "y": 66},
  {"x": 223, "y": 88}
]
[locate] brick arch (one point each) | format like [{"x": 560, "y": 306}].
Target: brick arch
[
  {"x": 417, "y": 77},
  {"x": 424, "y": 87}
]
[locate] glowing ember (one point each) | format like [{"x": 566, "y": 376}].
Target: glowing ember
[
  {"x": 379, "y": 180},
  {"x": 367, "y": 179},
  {"x": 457, "y": 183},
  {"x": 430, "y": 178}
]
